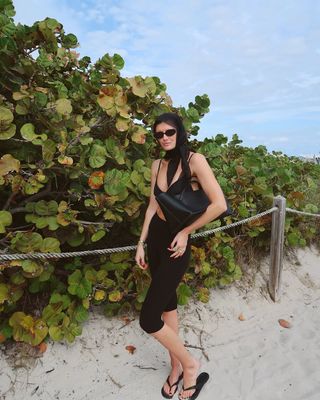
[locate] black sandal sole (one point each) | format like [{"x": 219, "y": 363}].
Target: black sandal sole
[{"x": 200, "y": 382}]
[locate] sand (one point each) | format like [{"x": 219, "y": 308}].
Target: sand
[{"x": 250, "y": 359}]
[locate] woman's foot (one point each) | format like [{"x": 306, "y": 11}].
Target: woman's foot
[
  {"x": 173, "y": 378},
  {"x": 190, "y": 375}
]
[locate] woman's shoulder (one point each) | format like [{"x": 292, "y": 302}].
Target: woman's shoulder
[
  {"x": 197, "y": 163},
  {"x": 195, "y": 157},
  {"x": 155, "y": 164}
]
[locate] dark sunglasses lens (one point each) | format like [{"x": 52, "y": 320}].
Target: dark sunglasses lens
[
  {"x": 158, "y": 135},
  {"x": 169, "y": 132}
]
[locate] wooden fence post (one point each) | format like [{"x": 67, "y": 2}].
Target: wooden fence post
[{"x": 276, "y": 247}]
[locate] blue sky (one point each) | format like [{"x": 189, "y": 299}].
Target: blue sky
[{"x": 258, "y": 61}]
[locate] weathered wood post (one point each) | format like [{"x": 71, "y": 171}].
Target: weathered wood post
[{"x": 276, "y": 247}]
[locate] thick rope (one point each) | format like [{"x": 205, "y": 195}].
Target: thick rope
[
  {"x": 303, "y": 213},
  {"x": 35, "y": 256}
]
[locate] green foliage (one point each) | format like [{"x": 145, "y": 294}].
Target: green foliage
[
  {"x": 76, "y": 149},
  {"x": 183, "y": 293},
  {"x": 79, "y": 285},
  {"x": 27, "y": 329},
  {"x": 5, "y": 220}
]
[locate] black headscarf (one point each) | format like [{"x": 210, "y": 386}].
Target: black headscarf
[{"x": 181, "y": 150}]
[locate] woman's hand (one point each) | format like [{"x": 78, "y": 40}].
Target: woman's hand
[
  {"x": 140, "y": 257},
  {"x": 179, "y": 244}
]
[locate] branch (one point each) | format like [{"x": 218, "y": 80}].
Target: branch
[
  {"x": 4, "y": 241},
  {"x": 10, "y": 198},
  {"x": 18, "y": 227},
  {"x": 99, "y": 122},
  {"x": 17, "y": 210},
  {"x": 108, "y": 224},
  {"x": 44, "y": 192}
]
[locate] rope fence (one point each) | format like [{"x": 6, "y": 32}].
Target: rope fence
[
  {"x": 36, "y": 256},
  {"x": 278, "y": 212}
]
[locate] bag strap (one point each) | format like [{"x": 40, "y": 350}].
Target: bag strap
[
  {"x": 191, "y": 156},
  {"x": 189, "y": 181},
  {"x": 193, "y": 179}
]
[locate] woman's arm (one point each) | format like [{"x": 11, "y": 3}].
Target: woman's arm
[
  {"x": 153, "y": 205},
  {"x": 199, "y": 165}
]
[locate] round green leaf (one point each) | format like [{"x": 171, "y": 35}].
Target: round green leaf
[
  {"x": 8, "y": 133},
  {"x": 27, "y": 242},
  {"x": 63, "y": 106},
  {"x": 183, "y": 292},
  {"x": 72, "y": 331},
  {"x": 50, "y": 245},
  {"x": 70, "y": 41},
  {"x": 56, "y": 333},
  {"x": 4, "y": 292},
  {"x": 114, "y": 182},
  {"x": 75, "y": 239},
  {"x": 48, "y": 150},
  {"x": 44, "y": 208},
  {"x": 21, "y": 109},
  {"x": 81, "y": 314},
  {"x": 118, "y": 61},
  {"x": 115, "y": 296},
  {"x": 75, "y": 277},
  {"x": 32, "y": 267},
  {"x": 6, "y": 117},
  {"x": 27, "y": 132},
  {"x": 52, "y": 23},
  {"x": 97, "y": 156},
  {"x": 41, "y": 99},
  {"x": 5, "y": 220},
  {"x": 98, "y": 235}
]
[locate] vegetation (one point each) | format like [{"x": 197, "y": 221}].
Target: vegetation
[{"x": 76, "y": 150}]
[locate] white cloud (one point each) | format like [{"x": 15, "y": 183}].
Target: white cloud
[
  {"x": 101, "y": 42},
  {"x": 279, "y": 139},
  {"x": 27, "y": 12},
  {"x": 257, "y": 61}
]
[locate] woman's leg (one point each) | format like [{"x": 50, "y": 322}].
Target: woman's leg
[
  {"x": 159, "y": 295},
  {"x": 154, "y": 319},
  {"x": 171, "y": 319},
  {"x": 172, "y": 342}
]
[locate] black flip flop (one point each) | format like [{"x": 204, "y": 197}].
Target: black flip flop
[
  {"x": 201, "y": 380},
  {"x": 166, "y": 395}
]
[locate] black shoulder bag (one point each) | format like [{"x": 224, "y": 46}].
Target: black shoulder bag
[{"x": 180, "y": 210}]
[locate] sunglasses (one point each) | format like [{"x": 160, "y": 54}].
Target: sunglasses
[{"x": 168, "y": 132}]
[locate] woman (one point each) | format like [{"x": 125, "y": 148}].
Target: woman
[{"x": 168, "y": 254}]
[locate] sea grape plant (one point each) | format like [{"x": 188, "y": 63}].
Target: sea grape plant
[{"x": 75, "y": 155}]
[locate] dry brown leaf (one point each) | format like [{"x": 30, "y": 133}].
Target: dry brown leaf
[
  {"x": 242, "y": 317},
  {"x": 42, "y": 347},
  {"x": 284, "y": 323},
  {"x": 126, "y": 320},
  {"x": 131, "y": 349}
]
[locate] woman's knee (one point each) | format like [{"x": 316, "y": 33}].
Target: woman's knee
[
  {"x": 150, "y": 323},
  {"x": 173, "y": 303}
]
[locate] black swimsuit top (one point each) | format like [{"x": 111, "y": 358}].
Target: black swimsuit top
[{"x": 176, "y": 187}]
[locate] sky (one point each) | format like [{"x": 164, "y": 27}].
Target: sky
[{"x": 258, "y": 61}]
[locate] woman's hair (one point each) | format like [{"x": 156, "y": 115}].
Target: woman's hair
[{"x": 181, "y": 150}]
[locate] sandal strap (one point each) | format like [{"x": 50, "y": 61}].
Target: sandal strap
[
  {"x": 174, "y": 384},
  {"x": 190, "y": 388}
]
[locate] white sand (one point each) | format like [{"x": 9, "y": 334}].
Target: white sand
[{"x": 254, "y": 359}]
